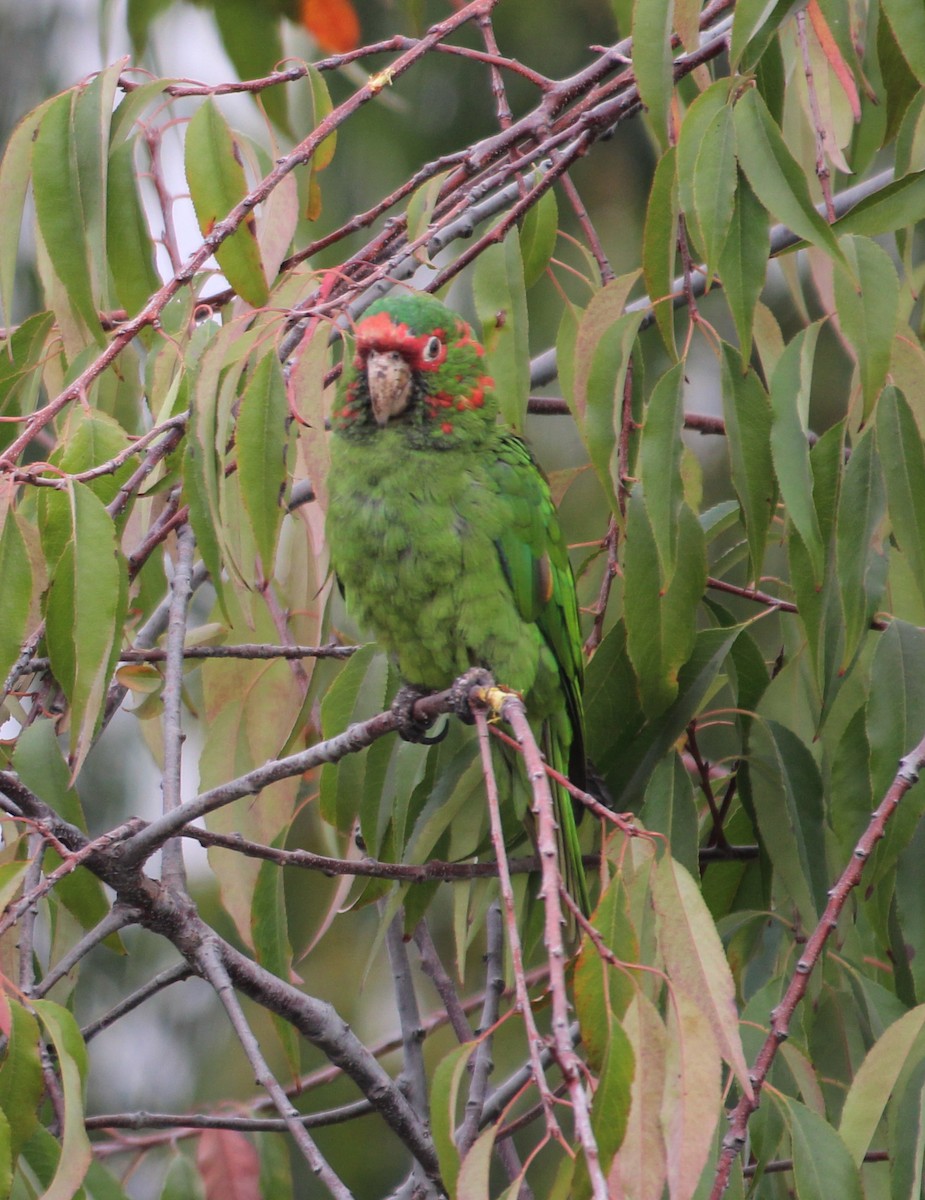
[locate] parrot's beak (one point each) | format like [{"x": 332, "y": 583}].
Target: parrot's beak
[{"x": 389, "y": 379}]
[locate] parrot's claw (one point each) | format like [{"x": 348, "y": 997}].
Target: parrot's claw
[
  {"x": 410, "y": 727},
  {"x": 462, "y": 688}
]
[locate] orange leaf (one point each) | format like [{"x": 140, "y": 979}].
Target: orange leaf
[
  {"x": 332, "y": 23},
  {"x": 834, "y": 55}
]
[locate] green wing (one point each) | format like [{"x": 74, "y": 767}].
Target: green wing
[{"x": 534, "y": 558}]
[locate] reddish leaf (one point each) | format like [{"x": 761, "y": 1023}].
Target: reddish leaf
[
  {"x": 229, "y": 1165},
  {"x": 332, "y": 23}
]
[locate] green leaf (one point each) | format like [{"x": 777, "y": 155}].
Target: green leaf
[
  {"x": 659, "y": 464},
  {"x": 217, "y": 184},
  {"x": 786, "y": 792},
  {"x": 659, "y": 245},
  {"x": 791, "y": 385},
  {"x": 751, "y": 19},
  {"x": 501, "y": 303},
  {"x": 669, "y": 808},
  {"x": 611, "y": 1105},
  {"x": 908, "y": 24},
  {"x": 743, "y": 261},
  {"x": 15, "y": 592},
  {"x": 900, "y": 203},
  {"x": 338, "y": 708},
  {"x": 22, "y": 1084},
  {"x": 868, "y": 328},
  {"x": 15, "y": 171},
  {"x": 747, "y": 414},
  {"x": 652, "y": 60},
  {"x": 444, "y": 1096},
  {"x": 707, "y": 169},
  {"x": 270, "y": 930},
  {"x": 777, "y": 178},
  {"x": 322, "y": 106},
  {"x": 628, "y": 765},
  {"x": 76, "y": 1153},
  {"x": 260, "y": 436},
  {"x": 59, "y": 210},
  {"x": 21, "y": 361},
  {"x": 875, "y": 1080},
  {"x": 92, "y": 115},
  {"x": 89, "y": 439},
  {"x": 182, "y": 1181},
  {"x": 83, "y": 614},
  {"x": 906, "y": 1146},
  {"x": 40, "y": 764},
  {"x": 472, "y": 1182},
  {"x": 860, "y": 559},
  {"x": 593, "y": 359},
  {"x": 538, "y": 234},
  {"x": 715, "y": 175},
  {"x": 903, "y": 459},
  {"x": 660, "y": 609},
  {"x": 822, "y": 1166},
  {"x": 603, "y": 991},
  {"x": 130, "y": 250}
]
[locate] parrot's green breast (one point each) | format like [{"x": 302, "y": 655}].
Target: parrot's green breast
[{"x": 415, "y": 543}]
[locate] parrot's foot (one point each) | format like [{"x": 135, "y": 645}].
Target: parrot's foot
[
  {"x": 410, "y": 727},
  {"x": 461, "y": 689}
]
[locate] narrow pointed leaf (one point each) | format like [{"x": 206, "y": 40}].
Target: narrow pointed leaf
[
  {"x": 860, "y": 558},
  {"x": 58, "y": 207},
  {"x": 217, "y": 184},
  {"x": 874, "y": 1082},
  {"x": 786, "y": 792},
  {"x": 501, "y": 303},
  {"x": 790, "y": 390},
  {"x": 868, "y": 327},
  {"x": 261, "y": 443},
  {"x": 661, "y": 610},
  {"x": 76, "y": 1154},
  {"x": 903, "y": 458},
  {"x": 908, "y": 22},
  {"x": 822, "y": 1166},
  {"x": 83, "y": 612},
  {"x": 538, "y": 237},
  {"x": 747, "y": 414},
  {"x": 776, "y": 177},
  {"x": 15, "y": 592},
  {"x": 659, "y": 245},
  {"x": 21, "y": 1081},
  {"x": 695, "y": 961},
  {"x": 652, "y": 25},
  {"x": 15, "y": 172},
  {"x": 743, "y": 259},
  {"x": 130, "y": 249}
]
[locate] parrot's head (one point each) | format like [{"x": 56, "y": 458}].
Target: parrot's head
[{"x": 416, "y": 368}]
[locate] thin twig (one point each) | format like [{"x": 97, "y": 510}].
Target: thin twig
[
  {"x": 535, "y": 1043},
  {"x": 214, "y": 970},
  {"x": 173, "y": 871}
]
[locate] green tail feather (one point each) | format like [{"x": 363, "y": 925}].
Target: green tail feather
[{"x": 573, "y": 870}]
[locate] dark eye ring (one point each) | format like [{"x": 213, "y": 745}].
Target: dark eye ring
[{"x": 432, "y": 349}]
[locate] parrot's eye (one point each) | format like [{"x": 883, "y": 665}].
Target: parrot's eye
[{"x": 432, "y": 349}]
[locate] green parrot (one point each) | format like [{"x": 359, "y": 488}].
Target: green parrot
[{"x": 444, "y": 536}]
